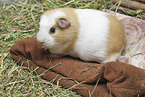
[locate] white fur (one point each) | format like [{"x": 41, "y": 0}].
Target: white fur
[
  {"x": 92, "y": 38},
  {"x": 46, "y": 22}
]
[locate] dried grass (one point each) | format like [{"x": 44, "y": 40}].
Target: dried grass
[{"x": 20, "y": 21}]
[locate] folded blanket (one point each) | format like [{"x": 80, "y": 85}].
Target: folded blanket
[
  {"x": 134, "y": 51},
  {"x": 113, "y": 79}
]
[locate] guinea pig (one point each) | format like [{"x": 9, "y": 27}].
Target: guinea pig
[{"x": 88, "y": 34}]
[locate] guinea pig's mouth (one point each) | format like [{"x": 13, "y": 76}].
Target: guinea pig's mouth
[
  {"x": 42, "y": 45},
  {"x": 45, "y": 48}
]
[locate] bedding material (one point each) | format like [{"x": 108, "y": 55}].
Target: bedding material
[{"x": 113, "y": 79}]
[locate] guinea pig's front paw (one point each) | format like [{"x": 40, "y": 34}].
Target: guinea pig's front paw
[
  {"x": 123, "y": 59},
  {"x": 55, "y": 56}
]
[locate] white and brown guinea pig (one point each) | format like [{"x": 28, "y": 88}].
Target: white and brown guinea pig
[{"x": 88, "y": 34}]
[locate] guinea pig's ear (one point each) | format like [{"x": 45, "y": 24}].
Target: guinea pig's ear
[{"x": 63, "y": 23}]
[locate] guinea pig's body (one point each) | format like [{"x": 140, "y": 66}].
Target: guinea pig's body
[{"x": 88, "y": 34}]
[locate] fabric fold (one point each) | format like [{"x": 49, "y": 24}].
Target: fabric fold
[{"x": 113, "y": 79}]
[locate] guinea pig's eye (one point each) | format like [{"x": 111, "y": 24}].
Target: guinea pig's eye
[{"x": 52, "y": 31}]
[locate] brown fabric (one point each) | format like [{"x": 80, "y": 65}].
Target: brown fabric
[{"x": 113, "y": 79}]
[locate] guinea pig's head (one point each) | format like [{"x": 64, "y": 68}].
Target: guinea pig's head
[{"x": 58, "y": 30}]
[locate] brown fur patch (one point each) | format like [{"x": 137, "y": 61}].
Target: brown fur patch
[
  {"x": 116, "y": 37},
  {"x": 69, "y": 35}
]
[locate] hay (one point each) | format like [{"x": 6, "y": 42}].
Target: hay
[{"x": 20, "y": 21}]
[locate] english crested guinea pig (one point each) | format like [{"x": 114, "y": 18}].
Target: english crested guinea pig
[{"x": 88, "y": 34}]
